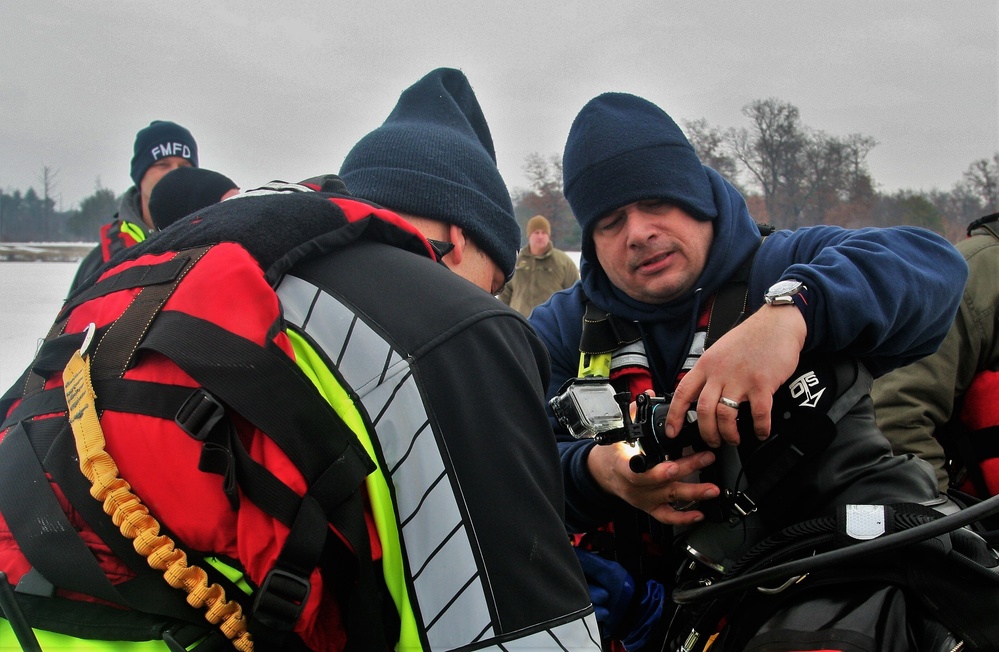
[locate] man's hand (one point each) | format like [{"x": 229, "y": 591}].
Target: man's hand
[
  {"x": 656, "y": 490},
  {"x": 749, "y": 363}
]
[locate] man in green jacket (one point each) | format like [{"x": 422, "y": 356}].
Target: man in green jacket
[
  {"x": 542, "y": 270},
  {"x": 922, "y": 407},
  {"x": 159, "y": 148}
]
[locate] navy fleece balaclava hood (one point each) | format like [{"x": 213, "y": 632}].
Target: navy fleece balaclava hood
[
  {"x": 433, "y": 157},
  {"x": 184, "y": 191},
  {"x": 161, "y": 139},
  {"x": 622, "y": 149}
]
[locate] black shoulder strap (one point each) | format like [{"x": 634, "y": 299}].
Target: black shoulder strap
[
  {"x": 604, "y": 332},
  {"x": 730, "y": 302},
  {"x": 987, "y": 222}
]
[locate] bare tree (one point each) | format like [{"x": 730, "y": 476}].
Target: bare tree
[
  {"x": 545, "y": 176},
  {"x": 48, "y": 181},
  {"x": 806, "y": 176},
  {"x": 772, "y": 152},
  {"x": 712, "y": 148},
  {"x": 982, "y": 179}
]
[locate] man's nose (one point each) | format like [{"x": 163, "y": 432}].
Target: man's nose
[{"x": 637, "y": 226}]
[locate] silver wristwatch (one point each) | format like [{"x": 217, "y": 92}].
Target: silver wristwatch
[{"x": 782, "y": 293}]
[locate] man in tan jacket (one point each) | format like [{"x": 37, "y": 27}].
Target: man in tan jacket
[
  {"x": 942, "y": 408},
  {"x": 542, "y": 270}
]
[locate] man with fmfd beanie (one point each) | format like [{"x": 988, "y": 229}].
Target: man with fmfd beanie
[
  {"x": 159, "y": 148},
  {"x": 668, "y": 250},
  {"x": 542, "y": 270}
]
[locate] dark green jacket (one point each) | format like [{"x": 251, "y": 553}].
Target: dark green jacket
[{"x": 915, "y": 402}]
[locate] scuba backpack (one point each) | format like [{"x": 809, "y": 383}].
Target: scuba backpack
[{"x": 176, "y": 358}]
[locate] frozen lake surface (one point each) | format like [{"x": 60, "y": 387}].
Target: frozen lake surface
[{"x": 31, "y": 294}]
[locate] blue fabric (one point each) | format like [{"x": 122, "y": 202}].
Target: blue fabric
[
  {"x": 159, "y": 140},
  {"x": 433, "y": 157},
  {"x": 612, "y": 590},
  {"x": 646, "y": 613},
  {"x": 887, "y": 296},
  {"x": 625, "y": 611},
  {"x": 621, "y": 149}
]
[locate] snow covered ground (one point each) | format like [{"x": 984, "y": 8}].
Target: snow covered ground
[{"x": 30, "y": 296}]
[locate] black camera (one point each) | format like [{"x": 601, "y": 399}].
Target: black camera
[{"x": 590, "y": 408}]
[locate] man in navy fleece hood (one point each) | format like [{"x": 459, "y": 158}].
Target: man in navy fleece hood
[{"x": 662, "y": 235}]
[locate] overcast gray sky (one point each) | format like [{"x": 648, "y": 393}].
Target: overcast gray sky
[{"x": 275, "y": 90}]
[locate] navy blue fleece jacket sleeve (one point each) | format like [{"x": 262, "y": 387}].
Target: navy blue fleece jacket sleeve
[{"x": 885, "y": 295}]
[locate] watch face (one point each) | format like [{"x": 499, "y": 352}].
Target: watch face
[{"x": 784, "y": 287}]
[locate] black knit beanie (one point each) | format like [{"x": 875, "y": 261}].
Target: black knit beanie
[
  {"x": 622, "y": 149},
  {"x": 184, "y": 191},
  {"x": 433, "y": 157},
  {"x": 158, "y": 140}
]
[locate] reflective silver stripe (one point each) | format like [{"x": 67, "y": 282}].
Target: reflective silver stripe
[
  {"x": 447, "y": 588},
  {"x": 696, "y": 350},
  {"x": 630, "y": 355}
]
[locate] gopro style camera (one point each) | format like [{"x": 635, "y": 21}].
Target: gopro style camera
[{"x": 590, "y": 408}]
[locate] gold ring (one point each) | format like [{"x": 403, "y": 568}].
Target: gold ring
[{"x": 728, "y": 402}]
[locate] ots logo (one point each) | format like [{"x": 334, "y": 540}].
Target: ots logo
[{"x": 805, "y": 385}]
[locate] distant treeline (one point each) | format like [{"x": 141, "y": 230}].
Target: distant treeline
[
  {"x": 31, "y": 217},
  {"x": 791, "y": 175}
]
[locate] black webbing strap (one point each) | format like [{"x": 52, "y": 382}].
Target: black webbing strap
[
  {"x": 99, "y": 622},
  {"x": 117, "y": 395},
  {"x": 727, "y": 310},
  {"x": 268, "y": 389},
  {"x": 146, "y": 592},
  {"x": 13, "y": 393},
  {"x": 133, "y": 277},
  {"x": 114, "y": 351},
  {"x": 604, "y": 333},
  {"x": 43, "y": 532},
  {"x": 364, "y": 605},
  {"x": 985, "y": 442},
  {"x": 731, "y": 300},
  {"x": 54, "y": 548},
  {"x": 987, "y": 222},
  {"x": 810, "y": 430},
  {"x": 51, "y": 357}
]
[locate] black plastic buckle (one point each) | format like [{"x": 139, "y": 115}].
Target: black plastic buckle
[
  {"x": 199, "y": 414},
  {"x": 279, "y": 601}
]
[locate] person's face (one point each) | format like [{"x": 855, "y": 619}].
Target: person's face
[
  {"x": 538, "y": 239},
  {"x": 651, "y": 250},
  {"x": 157, "y": 171}
]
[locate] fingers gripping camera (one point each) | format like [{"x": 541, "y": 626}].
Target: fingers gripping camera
[{"x": 590, "y": 408}]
